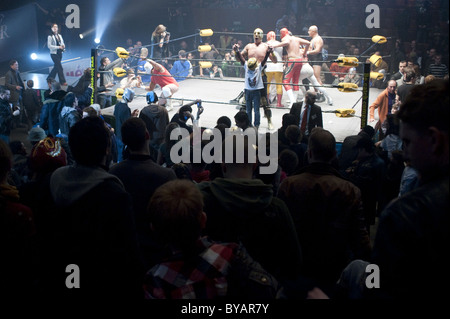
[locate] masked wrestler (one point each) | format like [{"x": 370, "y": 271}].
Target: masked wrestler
[{"x": 258, "y": 50}]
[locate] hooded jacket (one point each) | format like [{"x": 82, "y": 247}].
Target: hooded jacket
[
  {"x": 180, "y": 69},
  {"x": 156, "y": 119},
  {"x": 50, "y": 112},
  {"x": 244, "y": 210},
  {"x": 68, "y": 117},
  {"x": 91, "y": 225}
]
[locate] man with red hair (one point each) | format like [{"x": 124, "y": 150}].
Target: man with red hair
[{"x": 295, "y": 57}]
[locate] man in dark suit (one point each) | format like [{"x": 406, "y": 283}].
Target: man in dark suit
[
  {"x": 310, "y": 120},
  {"x": 14, "y": 82}
]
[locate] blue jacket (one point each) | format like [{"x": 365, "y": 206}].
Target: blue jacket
[{"x": 180, "y": 70}]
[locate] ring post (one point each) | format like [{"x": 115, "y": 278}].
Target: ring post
[
  {"x": 94, "y": 75},
  {"x": 365, "y": 96}
]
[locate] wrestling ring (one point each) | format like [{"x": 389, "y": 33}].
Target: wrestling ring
[{"x": 347, "y": 114}]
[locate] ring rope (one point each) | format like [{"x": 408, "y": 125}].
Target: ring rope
[
  {"x": 304, "y": 36},
  {"x": 243, "y": 81},
  {"x": 228, "y": 103}
]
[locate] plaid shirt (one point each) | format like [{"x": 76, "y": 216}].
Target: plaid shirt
[{"x": 202, "y": 276}]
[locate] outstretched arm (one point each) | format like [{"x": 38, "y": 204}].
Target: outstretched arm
[
  {"x": 158, "y": 67},
  {"x": 238, "y": 54},
  {"x": 284, "y": 43},
  {"x": 269, "y": 51}
]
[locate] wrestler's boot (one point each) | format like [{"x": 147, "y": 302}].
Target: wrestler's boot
[
  {"x": 325, "y": 94},
  {"x": 291, "y": 97},
  {"x": 168, "y": 105},
  {"x": 268, "y": 114},
  {"x": 279, "y": 97},
  {"x": 320, "y": 97}
]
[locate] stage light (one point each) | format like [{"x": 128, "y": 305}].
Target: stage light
[
  {"x": 33, "y": 56},
  {"x": 81, "y": 35},
  {"x": 97, "y": 40},
  {"x": 104, "y": 15}
]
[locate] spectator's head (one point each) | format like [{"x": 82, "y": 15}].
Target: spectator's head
[
  {"x": 182, "y": 54},
  {"x": 5, "y": 161},
  {"x": 97, "y": 108},
  {"x": 392, "y": 86},
  {"x": 183, "y": 45},
  {"x": 159, "y": 29},
  {"x": 288, "y": 119},
  {"x": 89, "y": 111},
  {"x": 365, "y": 147},
  {"x": 424, "y": 127},
  {"x": 242, "y": 120},
  {"x": 47, "y": 155},
  {"x": 288, "y": 161},
  {"x": 438, "y": 59},
  {"x": 401, "y": 66},
  {"x": 409, "y": 75},
  {"x": 50, "y": 81},
  {"x": 432, "y": 52},
  {"x": 293, "y": 134},
  {"x": 90, "y": 141},
  {"x": 70, "y": 100},
  {"x": 369, "y": 130},
  {"x": 4, "y": 93},
  {"x": 242, "y": 162},
  {"x": 151, "y": 97},
  {"x": 135, "y": 134},
  {"x": 105, "y": 61},
  {"x": 55, "y": 86},
  {"x": 176, "y": 213},
  {"x": 36, "y": 134},
  {"x": 144, "y": 53},
  {"x": 224, "y": 120},
  {"x": 321, "y": 146},
  {"x": 30, "y": 84},
  {"x": 310, "y": 97},
  {"x": 128, "y": 95},
  {"x": 252, "y": 63},
  {"x": 13, "y": 64},
  {"x": 429, "y": 78},
  {"x": 185, "y": 111}
]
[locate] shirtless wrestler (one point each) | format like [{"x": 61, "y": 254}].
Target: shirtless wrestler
[
  {"x": 294, "y": 55},
  {"x": 258, "y": 50}
]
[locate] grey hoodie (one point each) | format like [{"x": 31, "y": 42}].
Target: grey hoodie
[{"x": 69, "y": 183}]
